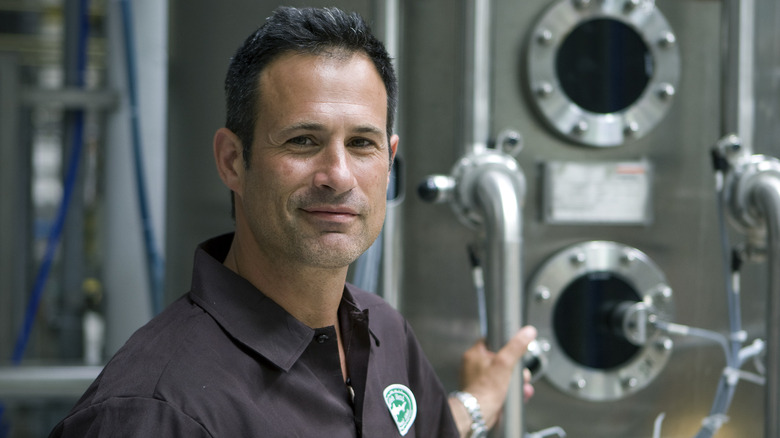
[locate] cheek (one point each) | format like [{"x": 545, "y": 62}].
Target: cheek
[
  {"x": 375, "y": 184},
  {"x": 264, "y": 186}
]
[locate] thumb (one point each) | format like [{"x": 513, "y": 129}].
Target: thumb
[{"x": 517, "y": 346}]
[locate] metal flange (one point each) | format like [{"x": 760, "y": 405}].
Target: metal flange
[
  {"x": 609, "y": 128},
  {"x": 575, "y": 277}
]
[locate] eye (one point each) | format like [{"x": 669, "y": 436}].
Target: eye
[
  {"x": 301, "y": 141},
  {"x": 361, "y": 143}
]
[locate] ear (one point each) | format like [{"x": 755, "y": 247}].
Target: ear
[
  {"x": 393, "y": 149},
  {"x": 229, "y": 157}
]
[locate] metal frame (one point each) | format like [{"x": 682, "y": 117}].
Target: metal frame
[
  {"x": 38, "y": 382},
  {"x": 14, "y": 204},
  {"x": 648, "y": 281},
  {"x": 576, "y": 123}
]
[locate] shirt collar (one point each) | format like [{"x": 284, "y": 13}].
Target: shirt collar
[{"x": 246, "y": 314}]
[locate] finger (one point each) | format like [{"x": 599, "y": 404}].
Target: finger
[
  {"x": 517, "y": 345},
  {"x": 528, "y": 391}
]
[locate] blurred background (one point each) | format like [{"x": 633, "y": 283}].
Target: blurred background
[{"x": 600, "y": 169}]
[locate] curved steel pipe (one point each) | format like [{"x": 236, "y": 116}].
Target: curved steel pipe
[
  {"x": 765, "y": 195},
  {"x": 755, "y": 207},
  {"x": 487, "y": 191},
  {"x": 498, "y": 199},
  {"x": 500, "y": 205}
]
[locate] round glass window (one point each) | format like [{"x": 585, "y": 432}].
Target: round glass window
[
  {"x": 582, "y": 320},
  {"x": 603, "y": 65},
  {"x": 602, "y": 73}
]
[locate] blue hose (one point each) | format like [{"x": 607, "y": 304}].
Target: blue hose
[
  {"x": 55, "y": 233},
  {"x": 53, "y": 242},
  {"x": 725, "y": 391},
  {"x": 155, "y": 262},
  {"x": 5, "y": 429}
]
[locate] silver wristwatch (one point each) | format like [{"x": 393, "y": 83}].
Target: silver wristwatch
[{"x": 478, "y": 427}]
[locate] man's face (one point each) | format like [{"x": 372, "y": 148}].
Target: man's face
[{"x": 315, "y": 189}]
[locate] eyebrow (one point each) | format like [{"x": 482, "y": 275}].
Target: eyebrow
[
  {"x": 314, "y": 126},
  {"x": 369, "y": 129}
]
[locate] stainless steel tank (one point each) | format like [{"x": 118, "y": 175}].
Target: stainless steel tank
[
  {"x": 659, "y": 244},
  {"x": 667, "y": 217}
]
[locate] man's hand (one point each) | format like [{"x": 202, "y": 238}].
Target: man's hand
[{"x": 486, "y": 376}]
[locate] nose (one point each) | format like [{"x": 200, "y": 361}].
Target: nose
[{"x": 334, "y": 168}]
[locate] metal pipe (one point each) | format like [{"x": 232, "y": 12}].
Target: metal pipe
[
  {"x": 382, "y": 260},
  {"x": 499, "y": 198},
  {"x": 477, "y": 76},
  {"x": 70, "y": 98},
  {"x": 15, "y": 210},
  {"x": 487, "y": 191},
  {"x": 754, "y": 192},
  {"x": 393, "y": 229},
  {"x": 765, "y": 195},
  {"x": 737, "y": 70},
  {"x": 36, "y": 382}
]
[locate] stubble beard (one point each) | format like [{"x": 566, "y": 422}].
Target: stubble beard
[{"x": 297, "y": 242}]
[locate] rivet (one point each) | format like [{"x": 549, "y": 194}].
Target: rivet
[
  {"x": 544, "y": 37},
  {"x": 577, "y": 258},
  {"x": 667, "y": 40},
  {"x": 631, "y": 128},
  {"x": 666, "y": 90},
  {"x": 628, "y": 257},
  {"x": 632, "y": 4},
  {"x": 580, "y": 128},
  {"x": 665, "y": 344},
  {"x": 630, "y": 382},
  {"x": 542, "y": 293},
  {"x": 544, "y": 89},
  {"x": 581, "y": 4},
  {"x": 578, "y": 382},
  {"x": 665, "y": 292}
]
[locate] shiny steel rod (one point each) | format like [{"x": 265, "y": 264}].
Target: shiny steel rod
[
  {"x": 500, "y": 202},
  {"x": 393, "y": 229},
  {"x": 738, "y": 69},
  {"x": 766, "y": 196},
  {"x": 477, "y": 76}
]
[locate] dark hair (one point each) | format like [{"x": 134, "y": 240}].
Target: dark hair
[{"x": 315, "y": 31}]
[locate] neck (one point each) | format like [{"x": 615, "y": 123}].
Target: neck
[{"x": 311, "y": 295}]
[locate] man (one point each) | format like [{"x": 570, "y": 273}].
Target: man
[{"x": 271, "y": 341}]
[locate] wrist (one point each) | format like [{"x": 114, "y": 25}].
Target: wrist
[{"x": 478, "y": 427}]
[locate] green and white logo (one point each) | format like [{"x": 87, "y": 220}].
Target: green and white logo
[{"x": 402, "y": 405}]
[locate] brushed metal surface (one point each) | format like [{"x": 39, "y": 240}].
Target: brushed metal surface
[
  {"x": 436, "y": 293},
  {"x": 682, "y": 238}
]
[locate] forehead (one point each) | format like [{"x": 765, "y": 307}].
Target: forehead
[{"x": 301, "y": 80}]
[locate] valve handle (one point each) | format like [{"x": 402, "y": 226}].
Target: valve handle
[{"x": 436, "y": 189}]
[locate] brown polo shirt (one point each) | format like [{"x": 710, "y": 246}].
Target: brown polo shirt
[{"x": 226, "y": 361}]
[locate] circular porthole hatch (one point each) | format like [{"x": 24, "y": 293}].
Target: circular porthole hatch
[
  {"x": 582, "y": 301},
  {"x": 601, "y": 73}
]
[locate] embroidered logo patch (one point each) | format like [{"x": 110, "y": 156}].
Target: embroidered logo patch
[{"x": 402, "y": 405}]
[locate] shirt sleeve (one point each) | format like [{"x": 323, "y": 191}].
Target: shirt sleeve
[{"x": 129, "y": 417}]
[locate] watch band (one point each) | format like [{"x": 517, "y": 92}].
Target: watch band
[{"x": 478, "y": 427}]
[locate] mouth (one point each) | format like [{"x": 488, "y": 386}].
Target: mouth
[{"x": 332, "y": 213}]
